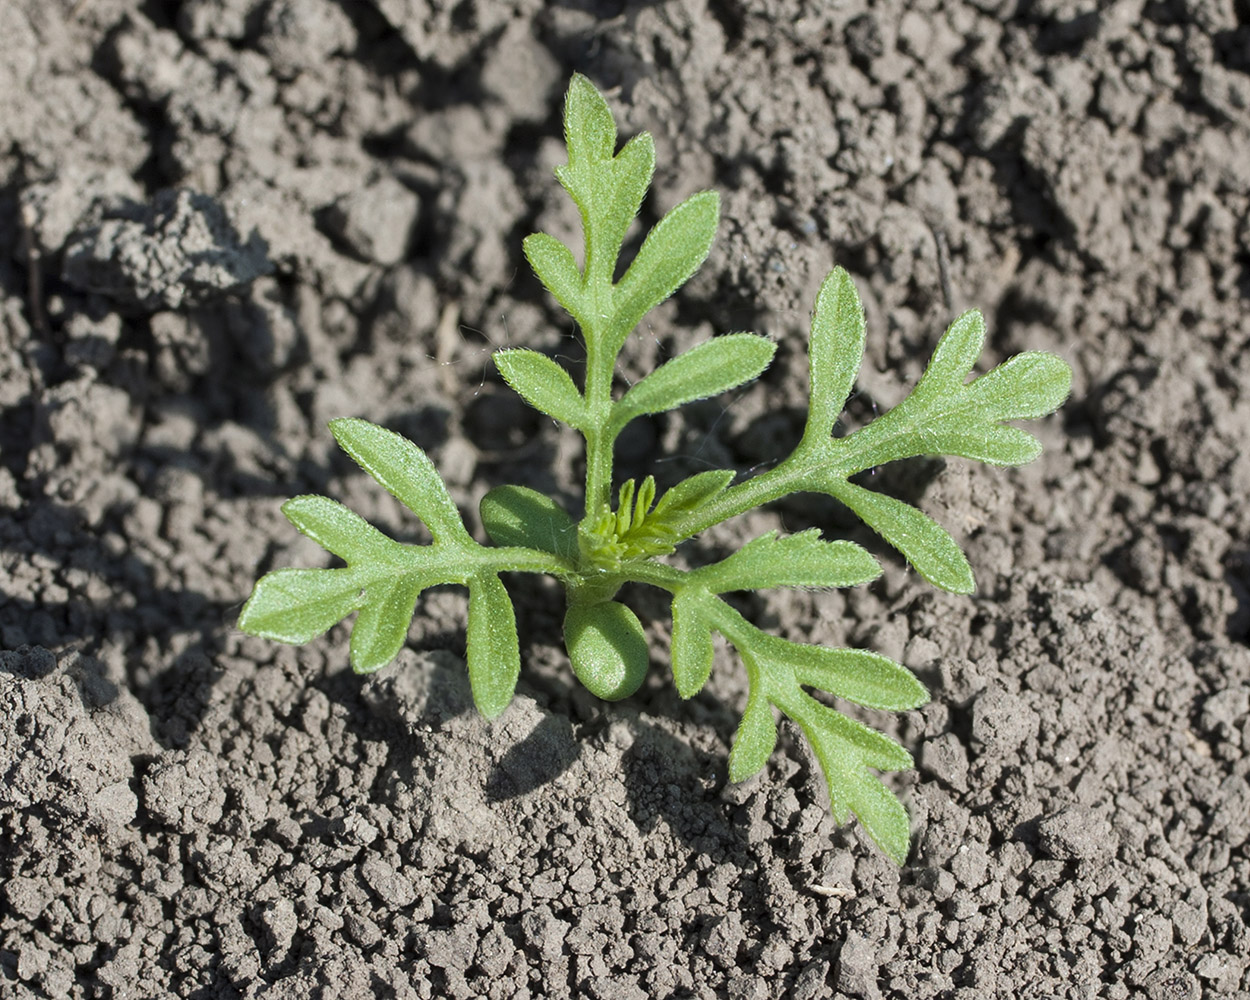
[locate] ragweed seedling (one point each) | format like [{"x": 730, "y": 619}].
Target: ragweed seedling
[{"x": 614, "y": 544}]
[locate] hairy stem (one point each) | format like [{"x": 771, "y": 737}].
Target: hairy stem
[
  {"x": 794, "y": 475},
  {"x": 516, "y": 559},
  {"x": 599, "y": 437}
]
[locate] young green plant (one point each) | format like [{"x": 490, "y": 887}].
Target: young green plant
[{"x": 610, "y": 545}]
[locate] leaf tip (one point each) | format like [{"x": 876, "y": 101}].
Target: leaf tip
[
  {"x": 490, "y": 712},
  {"x": 740, "y": 769}
]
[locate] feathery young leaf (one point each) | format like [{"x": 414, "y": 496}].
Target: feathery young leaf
[{"x": 691, "y": 494}]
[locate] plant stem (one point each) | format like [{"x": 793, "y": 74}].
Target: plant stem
[
  {"x": 812, "y": 462},
  {"x": 795, "y": 474},
  {"x": 599, "y": 369},
  {"x": 598, "y": 468},
  {"x": 516, "y": 559}
]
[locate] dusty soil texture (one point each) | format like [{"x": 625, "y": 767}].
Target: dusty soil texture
[{"x": 227, "y": 221}]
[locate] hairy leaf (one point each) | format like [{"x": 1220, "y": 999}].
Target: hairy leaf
[
  {"x": 691, "y": 651},
  {"x": 607, "y": 189},
  {"x": 381, "y": 628},
  {"x": 406, "y": 473},
  {"x": 945, "y": 416},
  {"x": 801, "y": 560},
  {"x": 707, "y": 369},
  {"x": 589, "y": 130},
  {"x": 1023, "y": 387},
  {"x": 922, "y": 541},
  {"x": 334, "y": 527},
  {"x": 756, "y": 737},
  {"x": 994, "y": 444},
  {"x": 861, "y": 676},
  {"x": 670, "y": 254},
  {"x": 956, "y": 352},
  {"x": 872, "y": 748},
  {"x": 297, "y": 605},
  {"x": 835, "y": 351},
  {"x": 543, "y": 384},
  {"x": 553, "y": 263},
  {"x": 846, "y": 749},
  {"x": 630, "y": 179},
  {"x": 857, "y": 675},
  {"x": 517, "y": 515},
  {"x": 493, "y": 649}
]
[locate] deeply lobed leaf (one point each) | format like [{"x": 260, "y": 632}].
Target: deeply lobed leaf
[
  {"x": 946, "y": 416},
  {"x": 630, "y": 178},
  {"x": 861, "y": 676},
  {"x": 777, "y": 670},
  {"x": 846, "y": 749}
]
